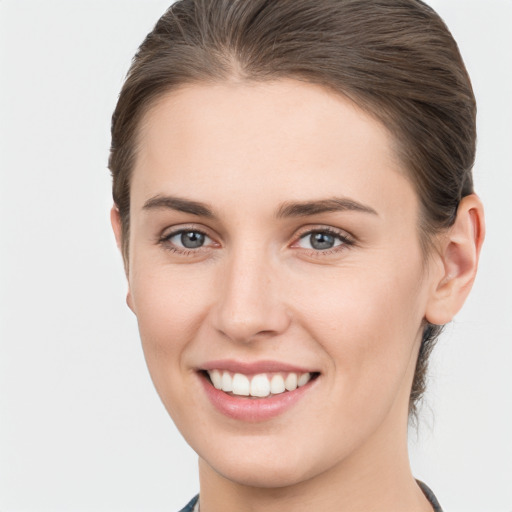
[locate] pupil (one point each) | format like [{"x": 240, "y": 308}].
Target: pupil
[
  {"x": 192, "y": 239},
  {"x": 322, "y": 241}
]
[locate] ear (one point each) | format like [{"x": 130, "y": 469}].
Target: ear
[
  {"x": 459, "y": 253},
  {"x": 115, "y": 219}
]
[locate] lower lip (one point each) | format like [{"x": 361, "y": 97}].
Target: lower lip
[{"x": 253, "y": 409}]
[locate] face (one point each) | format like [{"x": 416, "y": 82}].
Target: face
[{"x": 276, "y": 273}]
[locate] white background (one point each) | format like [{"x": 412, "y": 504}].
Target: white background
[{"x": 81, "y": 427}]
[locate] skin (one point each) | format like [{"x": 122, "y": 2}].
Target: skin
[{"x": 257, "y": 290}]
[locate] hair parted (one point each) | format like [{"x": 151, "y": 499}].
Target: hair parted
[{"x": 395, "y": 59}]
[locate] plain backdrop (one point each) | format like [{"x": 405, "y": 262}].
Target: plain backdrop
[{"x": 81, "y": 427}]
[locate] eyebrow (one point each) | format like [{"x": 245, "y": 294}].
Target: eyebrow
[
  {"x": 178, "y": 204},
  {"x": 287, "y": 209},
  {"x": 335, "y": 204}
]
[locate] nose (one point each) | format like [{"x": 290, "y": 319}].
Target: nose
[{"x": 250, "y": 304}]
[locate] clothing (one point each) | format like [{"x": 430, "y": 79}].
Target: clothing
[
  {"x": 430, "y": 496},
  {"x": 193, "y": 506}
]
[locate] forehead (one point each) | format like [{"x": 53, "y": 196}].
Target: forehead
[{"x": 286, "y": 138}]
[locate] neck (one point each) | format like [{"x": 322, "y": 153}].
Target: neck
[{"x": 375, "y": 477}]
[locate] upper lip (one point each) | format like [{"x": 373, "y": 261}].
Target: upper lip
[{"x": 255, "y": 367}]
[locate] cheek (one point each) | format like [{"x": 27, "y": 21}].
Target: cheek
[
  {"x": 168, "y": 299},
  {"x": 170, "y": 307},
  {"x": 368, "y": 324},
  {"x": 369, "y": 302}
]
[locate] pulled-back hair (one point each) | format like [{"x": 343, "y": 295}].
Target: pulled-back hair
[{"x": 395, "y": 59}]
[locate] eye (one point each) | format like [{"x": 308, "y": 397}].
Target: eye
[
  {"x": 187, "y": 239},
  {"x": 322, "y": 240}
]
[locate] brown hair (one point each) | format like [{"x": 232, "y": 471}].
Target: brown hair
[{"x": 395, "y": 59}]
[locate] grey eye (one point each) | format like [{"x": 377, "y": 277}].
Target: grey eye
[
  {"x": 192, "y": 239},
  {"x": 189, "y": 239},
  {"x": 320, "y": 241}
]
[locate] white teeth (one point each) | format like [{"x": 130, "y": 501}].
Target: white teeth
[
  {"x": 227, "y": 382},
  {"x": 260, "y": 385},
  {"x": 241, "y": 385},
  {"x": 277, "y": 384},
  {"x": 291, "y": 382},
  {"x": 216, "y": 378},
  {"x": 304, "y": 379}
]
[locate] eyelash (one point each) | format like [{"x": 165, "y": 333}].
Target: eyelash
[
  {"x": 182, "y": 251},
  {"x": 345, "y": 239}
]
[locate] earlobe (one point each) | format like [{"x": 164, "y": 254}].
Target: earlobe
[
  {"x": 129, "y": 301},
  {"x": 459, "y": 253}
]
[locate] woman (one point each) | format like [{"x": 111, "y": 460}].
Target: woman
[{"x": 295, "y": 209}]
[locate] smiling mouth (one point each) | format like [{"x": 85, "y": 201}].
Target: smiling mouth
[{"x": 261, "y": 385}]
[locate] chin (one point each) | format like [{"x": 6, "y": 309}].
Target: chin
[
  {"x": 260, "y": 474},
  {"x": 271, "y": 465}
]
